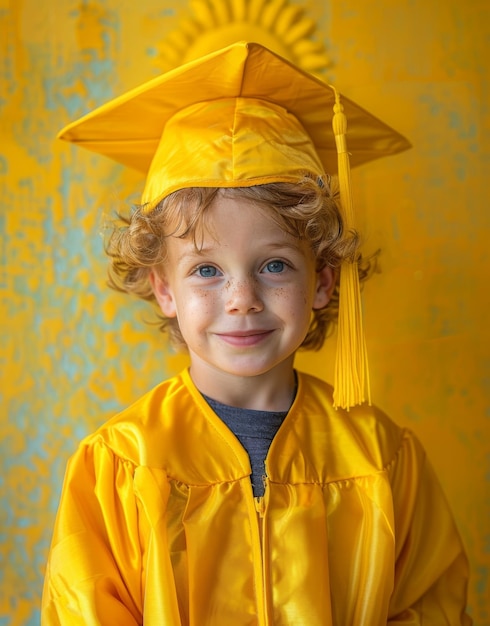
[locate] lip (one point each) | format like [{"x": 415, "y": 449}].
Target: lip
[{"x": 245, "y": 338}]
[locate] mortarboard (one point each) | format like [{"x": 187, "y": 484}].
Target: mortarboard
[{"x": 239, "y": 117}]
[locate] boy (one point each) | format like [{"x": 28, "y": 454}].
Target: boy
[{"x": 168, "y": 513}]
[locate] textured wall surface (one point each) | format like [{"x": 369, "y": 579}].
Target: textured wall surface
[{"x": 72, "y": 352}]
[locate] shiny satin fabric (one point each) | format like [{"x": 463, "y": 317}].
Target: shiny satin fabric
[
  {"x": 185, "y": 127},
  {"x": 246, "y": 142},
  {"x": 158, "y": 524}
]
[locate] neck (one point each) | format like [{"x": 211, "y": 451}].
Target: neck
[{"x": 272, "y": 391}]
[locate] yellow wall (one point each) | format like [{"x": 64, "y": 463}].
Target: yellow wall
[{"x": 73, "y": 353}]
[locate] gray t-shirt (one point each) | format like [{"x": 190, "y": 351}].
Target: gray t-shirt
[{"x": 255, "y": 430}]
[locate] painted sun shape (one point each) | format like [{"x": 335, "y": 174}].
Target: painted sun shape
[{"x": 214, "y": 24}]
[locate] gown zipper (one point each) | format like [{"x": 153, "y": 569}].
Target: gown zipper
[{"x": 260, "y": 503}]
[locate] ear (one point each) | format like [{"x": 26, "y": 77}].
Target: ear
[
  {"x": 325, "y": 284},
  {"x": 163, "y": 294}
]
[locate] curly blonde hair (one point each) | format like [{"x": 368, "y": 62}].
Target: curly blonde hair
[{"x": 308, "y": 210}]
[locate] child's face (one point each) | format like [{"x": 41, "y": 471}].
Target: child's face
[{"x": 243, "y": 302}]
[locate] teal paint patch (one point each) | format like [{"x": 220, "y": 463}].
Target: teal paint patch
[
  {"x": 461, "y": 166},
  {"x": 409, "y": 412},
  {"x": 3, "y": 256},
  {"x": 35, "y": 618}
]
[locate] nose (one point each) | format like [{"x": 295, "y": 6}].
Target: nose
[{"x": 243, "y": 296}]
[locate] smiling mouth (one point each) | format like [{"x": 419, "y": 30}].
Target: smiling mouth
[{"x": 245, "y": 338}]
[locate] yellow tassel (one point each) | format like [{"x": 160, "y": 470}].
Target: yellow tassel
[{"x": 351, "y": 366}]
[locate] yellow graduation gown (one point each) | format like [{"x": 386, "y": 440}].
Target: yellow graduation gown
[{"x": 158, "y": 524}]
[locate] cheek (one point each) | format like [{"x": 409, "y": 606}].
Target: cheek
[
  {"x": 196, "y": 305},
  {"x": 297, "y": 302}
]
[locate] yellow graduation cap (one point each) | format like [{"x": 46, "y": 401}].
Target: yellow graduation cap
[{"x": 239, "y": 117}]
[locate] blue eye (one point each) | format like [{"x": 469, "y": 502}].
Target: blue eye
[
  {"x": 275, "y": 267},
  {"x": 207, "y": 271}
]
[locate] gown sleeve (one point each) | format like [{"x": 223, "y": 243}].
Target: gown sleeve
[
  {"x": 431, "y": 570},
  {"x": 94, "y": 567}
]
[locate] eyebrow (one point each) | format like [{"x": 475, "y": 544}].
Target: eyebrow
[{"x": 207, "y": 250}]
